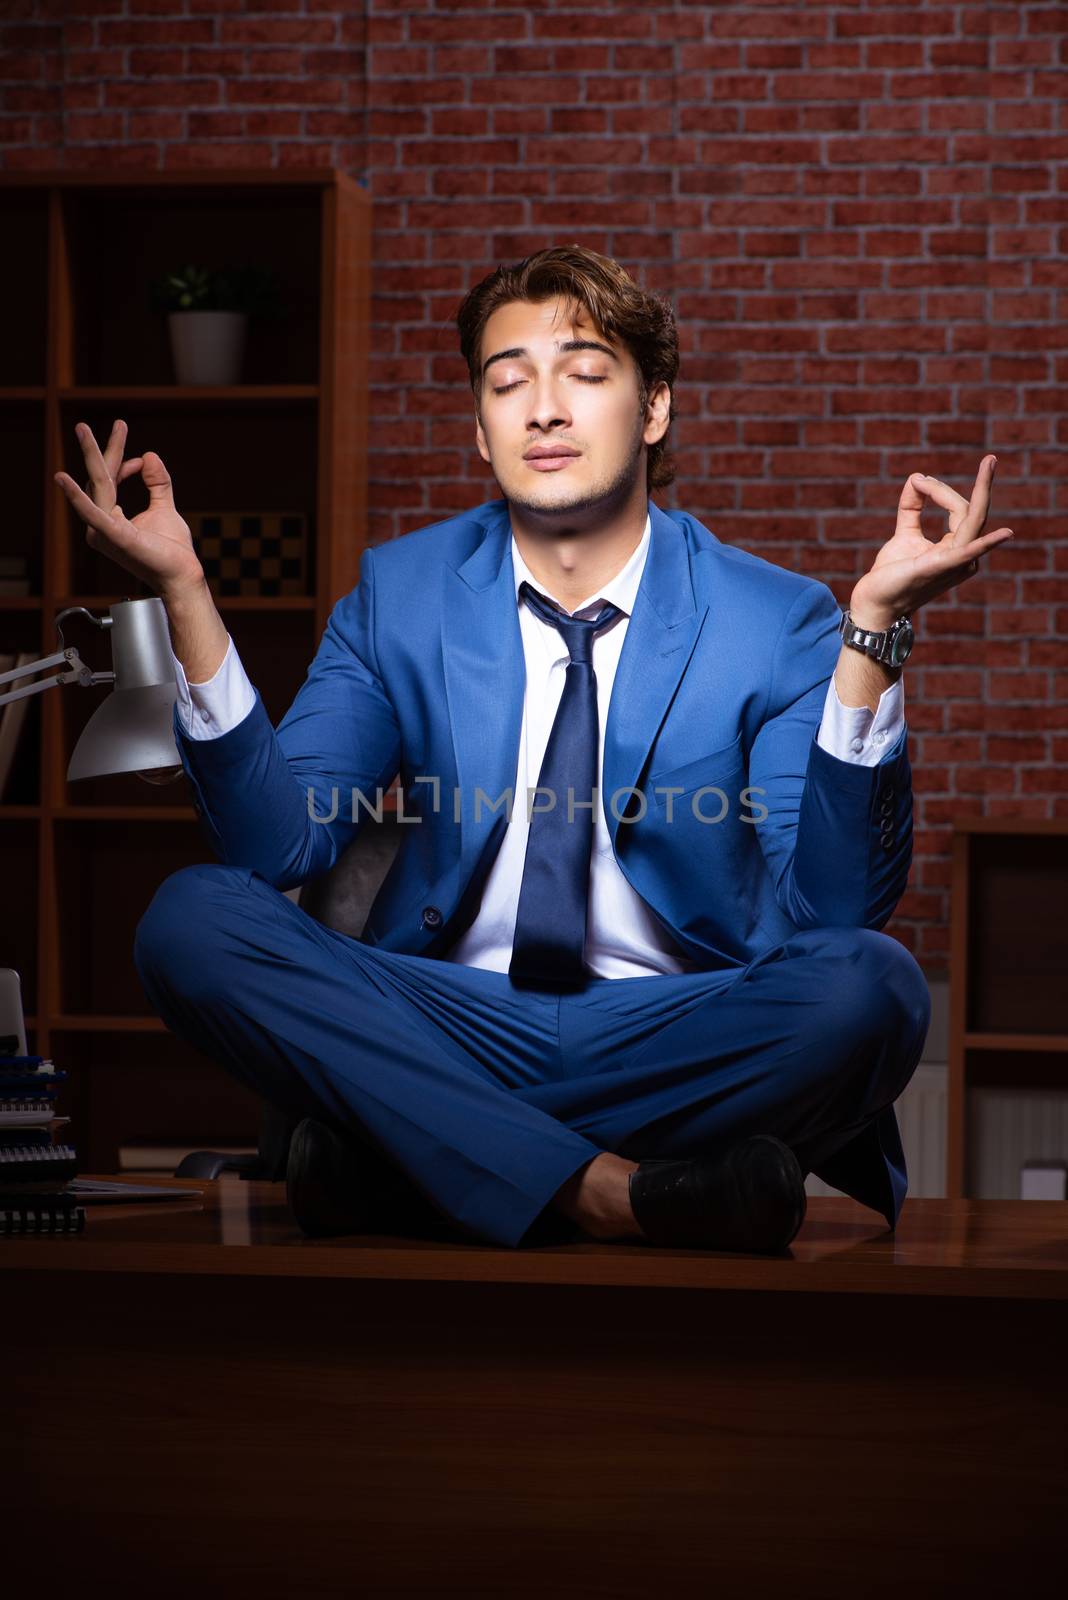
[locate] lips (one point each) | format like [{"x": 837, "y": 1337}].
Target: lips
[
  {"x": 549, "y": 463},
  {"x": 550, "y": 453}
]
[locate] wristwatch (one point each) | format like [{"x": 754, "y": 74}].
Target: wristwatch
[{"x": 892, "y": 646}]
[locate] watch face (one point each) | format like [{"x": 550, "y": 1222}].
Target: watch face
[{"x": 901, "y": 648}]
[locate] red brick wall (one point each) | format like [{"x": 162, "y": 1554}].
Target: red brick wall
[{"x": 860, "y": 212}]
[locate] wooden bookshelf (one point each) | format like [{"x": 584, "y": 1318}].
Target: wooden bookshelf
[
  {"x": 1008, "y": 1022},
  {"x": 80, "y": 862}
]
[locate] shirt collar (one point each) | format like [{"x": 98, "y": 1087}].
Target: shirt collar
[{"x": 618, "y": 591}]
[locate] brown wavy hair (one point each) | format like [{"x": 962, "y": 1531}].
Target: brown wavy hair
[{"x": 644, "y": 323}]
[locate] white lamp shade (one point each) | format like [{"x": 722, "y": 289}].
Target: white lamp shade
[{"x": 130, "y": 731}]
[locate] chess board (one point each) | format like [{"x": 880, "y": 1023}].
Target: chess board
[{"x": 252, "y": 552}]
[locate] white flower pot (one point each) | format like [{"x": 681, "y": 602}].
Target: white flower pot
[{"x": 208, "y": 346}]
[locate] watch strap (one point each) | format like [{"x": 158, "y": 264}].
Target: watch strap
[{"x": 874, "y": 643}]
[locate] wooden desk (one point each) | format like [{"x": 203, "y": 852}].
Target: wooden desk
[{"x": 204, "y": 1402}]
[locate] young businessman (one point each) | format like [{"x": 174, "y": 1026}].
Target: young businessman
[{"x": 626, "y": 968}]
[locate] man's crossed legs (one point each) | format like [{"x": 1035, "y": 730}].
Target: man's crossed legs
[{"x": 495, "y": 1100}]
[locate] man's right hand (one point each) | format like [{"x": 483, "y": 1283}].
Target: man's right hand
[{"x": 155, "y": 545}]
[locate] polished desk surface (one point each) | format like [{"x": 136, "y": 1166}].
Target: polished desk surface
[{"x": 1012, "y": 1249}]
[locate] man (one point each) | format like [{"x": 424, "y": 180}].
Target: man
[{"x": 626, "y": 970}]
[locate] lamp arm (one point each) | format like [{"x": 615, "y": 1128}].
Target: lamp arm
[
  {"x": 106, "y": 621},
  {"x": 78, "y": 672}
]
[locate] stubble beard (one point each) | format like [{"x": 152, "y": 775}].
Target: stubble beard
[{"x": 595, "y": 497}]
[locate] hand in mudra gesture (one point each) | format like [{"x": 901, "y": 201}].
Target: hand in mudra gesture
[
  {"x": 911, "y": 570},
  {"x": 156, "y": 544}
]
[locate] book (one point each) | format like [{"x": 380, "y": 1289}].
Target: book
[
  {"x": 12, "y": 718},
  {"x": 33, "y": 1166},
  {"x": 54, "y": 1214},
  {"x": 28, "y": 1089},
  {"x": 41, "y": 1086},
  {"x": 17, "y": 1194},
  {"x": 24, "y": 1137},
  {"x": 107, "y": 1193},
  {"x": 86, "y": 1191},
  {"x": 32, "y": 1113},
  {"x": 34, "y": 1169},
  {"x": 28, "y": 1075}
]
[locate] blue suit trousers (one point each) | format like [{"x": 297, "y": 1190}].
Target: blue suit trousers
[{"x": 489, "y": 1097}]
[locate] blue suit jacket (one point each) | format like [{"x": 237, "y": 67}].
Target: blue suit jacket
[{"x": 720, "y": 684}]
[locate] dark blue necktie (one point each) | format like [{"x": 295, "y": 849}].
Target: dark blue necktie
[{"x": 550, "y": 929}]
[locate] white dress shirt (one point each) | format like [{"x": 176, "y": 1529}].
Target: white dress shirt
[{"x": 623, "y": 937}]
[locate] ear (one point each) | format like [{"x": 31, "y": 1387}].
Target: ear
[
  {"x": 657, "y": 414},
  {"x": 480, "y": 440}
]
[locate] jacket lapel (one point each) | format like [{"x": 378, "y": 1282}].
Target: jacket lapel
[
  {"x": 485, "y": 681},
  {"x": 660, "y": 639}
]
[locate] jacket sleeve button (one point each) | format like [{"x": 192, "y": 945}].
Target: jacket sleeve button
[{"x": 431, "y": 917}]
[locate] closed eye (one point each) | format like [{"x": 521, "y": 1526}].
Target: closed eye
[{"x": 581, "y": 376}]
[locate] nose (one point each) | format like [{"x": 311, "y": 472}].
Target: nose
[{"x": 547, "y": 407}]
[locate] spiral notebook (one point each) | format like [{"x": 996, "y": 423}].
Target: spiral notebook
[
  {"x": 37, "y": 1165},
  {"x": 25, "y": 1209},
  {"x": 33, "y": 1195},
  {"x": 45, "y": 1214}
]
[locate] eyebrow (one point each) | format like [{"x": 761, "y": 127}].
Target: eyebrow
[{"x": 564, "y": 349}]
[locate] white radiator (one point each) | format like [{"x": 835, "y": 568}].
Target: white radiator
[{"x": 1008, "y": 1128}]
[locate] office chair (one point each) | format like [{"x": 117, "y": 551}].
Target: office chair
[{"x": 339, "y": 899}]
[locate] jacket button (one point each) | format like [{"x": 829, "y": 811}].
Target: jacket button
[
  {"x": 887, "y": 808},
  {"x": 886, "y": 793},
  {"x": 431, "y": 917},
  {"x": 886, "y": 840}
]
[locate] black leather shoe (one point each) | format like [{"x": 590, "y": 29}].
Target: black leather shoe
[
  {"x": 751, "y": 1198},
  {"x": 336, "y": 1185}
]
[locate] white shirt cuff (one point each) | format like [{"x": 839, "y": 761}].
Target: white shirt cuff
[
  {"x": 858, "y": 734},
  {"x": 208, "y": 710}
]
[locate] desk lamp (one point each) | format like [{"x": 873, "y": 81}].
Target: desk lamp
[{"x": 132, "y": 731}]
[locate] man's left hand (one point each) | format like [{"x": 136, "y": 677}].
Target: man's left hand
[{"x": 909, "y": 569}]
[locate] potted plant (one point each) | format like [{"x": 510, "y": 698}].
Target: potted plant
[{"x": 208, "y": 311}]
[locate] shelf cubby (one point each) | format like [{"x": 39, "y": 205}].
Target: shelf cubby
[
  {"x": 24, "y": 289},
  {"x": 149, "y": 231},
  {"x": 79, "y": 862},
  {"x": 237, "y": 456},
  {"x": 22, "y": 471},
  {"x": 18, "y": 896},
  {"x": 1009, "y": 953}
]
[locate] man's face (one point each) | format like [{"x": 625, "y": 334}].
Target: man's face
[{"x": 538, "y": 394}]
